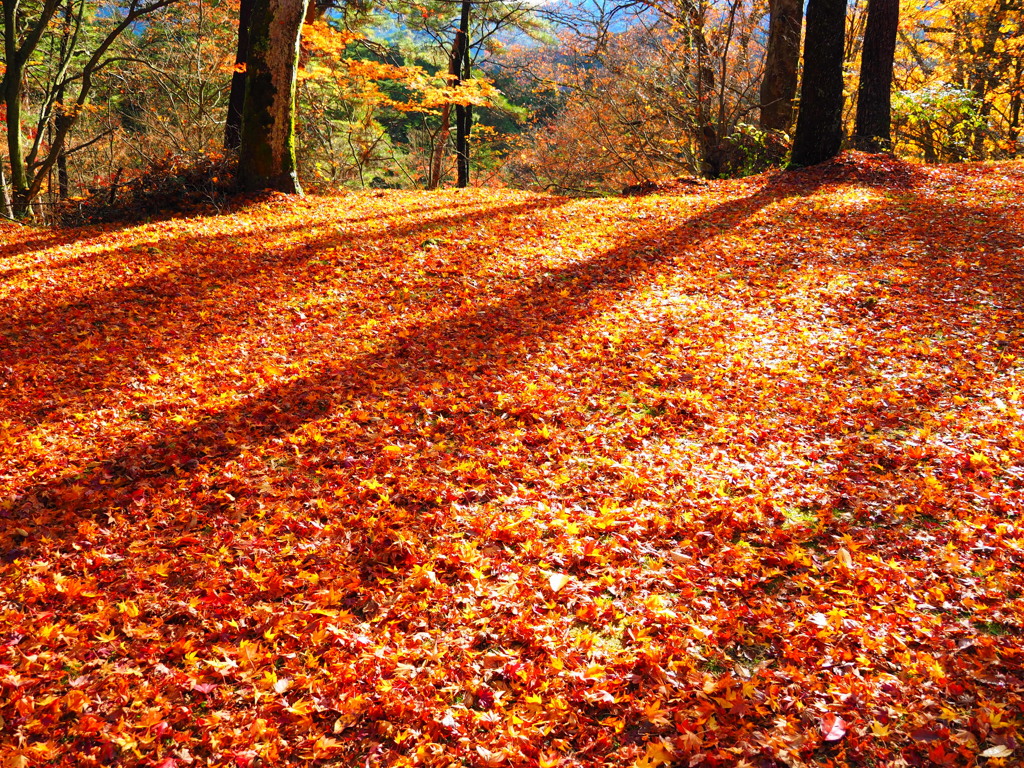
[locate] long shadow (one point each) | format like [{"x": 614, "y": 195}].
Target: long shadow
[
  {"x": 506, "y": 332},
  {"x": 47, "y": 239},
  {"x": 193, "y": 268},
  {"x": 125, "y": 325},
  {"x": 426, "y": 354},
  {"x": 68, "y": 237}
]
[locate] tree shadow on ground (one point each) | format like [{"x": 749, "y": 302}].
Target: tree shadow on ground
[
  {"x": 506, "y": 328},
  {"x": 79, "y": 237},
  {"x": 109, "y": 336}
]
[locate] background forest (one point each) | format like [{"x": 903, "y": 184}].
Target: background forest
[{"x": 569, "y": 97}]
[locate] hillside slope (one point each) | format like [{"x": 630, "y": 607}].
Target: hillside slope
[{"x": 715, "y": 477}]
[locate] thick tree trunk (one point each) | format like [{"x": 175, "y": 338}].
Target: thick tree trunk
[
  {"x": 19, "y": 173},
  {"x": 267, "y": 149},
  {"x": 819, "y": 124},
  {"x": 236, "y": 100},
  {"x": 874, "y": 97},
  {"x": 782, "y": 61},
  {"x": 463, "y": 112}
]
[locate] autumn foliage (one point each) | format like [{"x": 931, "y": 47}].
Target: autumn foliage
[{"x": 719, "y": 476}]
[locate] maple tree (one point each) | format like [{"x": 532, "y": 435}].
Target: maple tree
[
  {"x": 467, "y": 40},
  {"x": 711, "y": 477},
  {"x": 669, "y": 92},
  {"x": 354, "y": 104}
]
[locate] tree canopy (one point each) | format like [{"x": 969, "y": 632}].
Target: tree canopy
[{"x": 582, "y": 98}]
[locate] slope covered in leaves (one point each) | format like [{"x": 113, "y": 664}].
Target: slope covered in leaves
[{"x": 718, "y": 477}]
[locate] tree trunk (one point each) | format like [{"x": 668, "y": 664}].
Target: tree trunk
[
  {"x": 5, "y": 201},
  {"x": 708, "y": 132},
  {"x": 819, "y": 124},
  {"x": 267, "y": 148},
  {"x": 781, "y": 64},
  {"x": 61, "y": 119},
  {"x": 12, "y": 100},
  {"x": 463, "y": 125},
  {"x": 986, "y": 72},
  {"x": 454, "y": 80},
  {"x": 236, "y": 100},
  {"x": 440, "y": 142},
  {"x": 874, "y": 97},
  {"x": 63, "y": 126},
  {"x": 928, "y": 144},
  {"x": 1013, "y": 130},
  {"x": 19, "y": 173},
  {"x": 463, "y": 113}
]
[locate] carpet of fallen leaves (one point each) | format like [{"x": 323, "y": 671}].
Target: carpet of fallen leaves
[{"x": 720, "y": 476}]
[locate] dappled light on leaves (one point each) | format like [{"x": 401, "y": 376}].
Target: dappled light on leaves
[{"x": 718, "y": 476}]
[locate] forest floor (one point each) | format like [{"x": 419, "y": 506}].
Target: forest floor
[{"x": 720, "y": 476}]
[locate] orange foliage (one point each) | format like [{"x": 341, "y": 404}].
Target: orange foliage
[
  {"x": 360, "y": 79},
  {"x": 715, "y": 477}
]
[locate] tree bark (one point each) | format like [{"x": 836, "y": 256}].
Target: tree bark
[
  {"x": 61, "y": 118},
  {"x": 1013, "y": 130},
  {"x": 988, "y": 67},
  {"x": 778, "y": 88},
  {"x": 236, "y": 99},
  {"x": 5, "y": 201},
  {"x": 874, "y": 96},
  {"x": 463, "y": 113},
  {"x": 819, "y": 124},
  {"x": 266, "y": 155},
  {"x": 459, "y": 49},
  {"x": 12, "y": 100},
  {"x": 63, "y": 126},
  {"x": 463, "y": 125},
  {"x": 437, "y": 155}
]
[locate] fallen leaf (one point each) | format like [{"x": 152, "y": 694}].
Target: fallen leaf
[
  {"x": 1000, "y": 750},
  {"x": 557, "y": 581},
  {"x": 833, "y": 727},
  {"x": 844, "y": 559}
]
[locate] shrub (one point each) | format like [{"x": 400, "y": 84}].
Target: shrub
[{"x": 174, "y": 184}]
